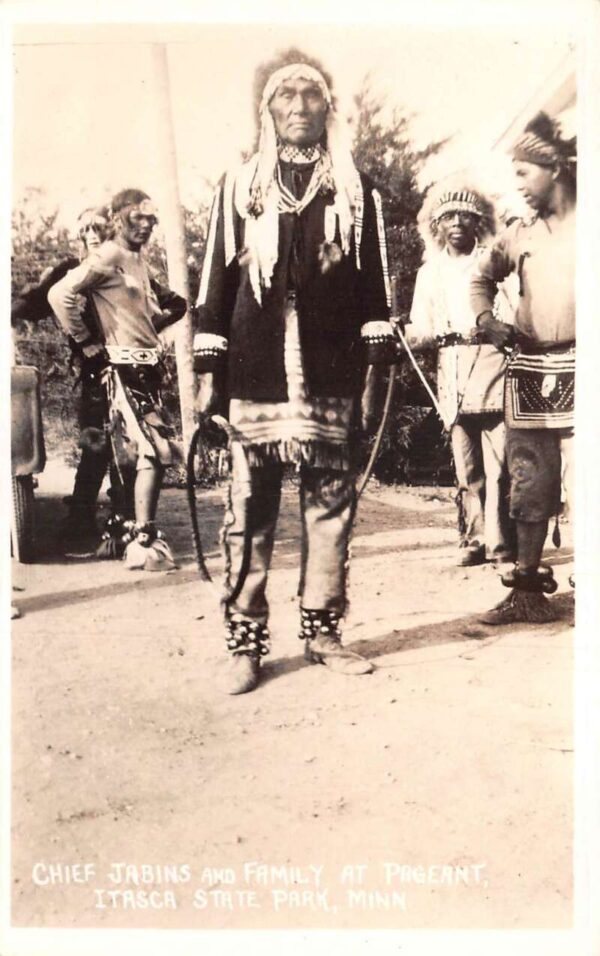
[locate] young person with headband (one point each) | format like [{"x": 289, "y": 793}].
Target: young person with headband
[
  {"x": 132, "y": 310},
  {"x": 539, "y": 397}
]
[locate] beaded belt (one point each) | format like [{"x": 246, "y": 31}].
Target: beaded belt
[
  {"x": 132, "y": 355},
  {"x": 455, "y": 338}
]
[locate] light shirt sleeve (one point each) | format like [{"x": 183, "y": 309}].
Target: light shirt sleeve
[
  {"x": 421, "y": 329},
  {"x": 63, "y": 297},
  {"x": 495, "y": 265}
]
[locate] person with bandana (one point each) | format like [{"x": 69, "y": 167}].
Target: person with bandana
[
  {"x": 79, "y": 533},
  {"x": 293, "y": 319},
  {"x": 455, "y": 223},
  {"x": 539, "y": 395},
  {"x": 132, "y": 311}
]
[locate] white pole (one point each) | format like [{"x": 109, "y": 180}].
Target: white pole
[{"x": 172, "y": 222}]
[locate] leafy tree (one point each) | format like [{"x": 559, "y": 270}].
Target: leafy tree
[
  {"x": 37, "y": 241},
  {"x": 37, "y": 244}
]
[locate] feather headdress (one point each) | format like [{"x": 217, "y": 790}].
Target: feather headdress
[{"x": 454, "y": 193}]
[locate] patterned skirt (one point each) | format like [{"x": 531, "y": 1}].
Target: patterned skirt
[{"x": 138, "y": 424}]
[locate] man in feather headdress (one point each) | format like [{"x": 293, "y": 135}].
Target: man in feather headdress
[
  {"x": 292, "y": 316},
  {"x": 539, "y": 398},
  {"x": 456, "y": 220}
]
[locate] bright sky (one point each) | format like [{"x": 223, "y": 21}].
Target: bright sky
[{"x": 86, "y": 123}]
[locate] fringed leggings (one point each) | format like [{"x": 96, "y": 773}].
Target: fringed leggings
[{"x": 327, "y": 504}]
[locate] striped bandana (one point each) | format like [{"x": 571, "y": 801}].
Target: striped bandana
[{"x": 531, "y": 148}]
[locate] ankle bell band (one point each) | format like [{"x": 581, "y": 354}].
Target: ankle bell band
[
  {"x": 313, "y": 623},
  {"x": 248, "y": 637}
]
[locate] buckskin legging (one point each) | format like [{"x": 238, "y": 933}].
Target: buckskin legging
[{"x": 327, "y": 505}]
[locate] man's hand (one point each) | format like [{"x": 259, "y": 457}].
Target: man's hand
[
  {"x": 166, "y": 318},
  {"x": 209, "y": 399},
  {"x": 498, "y": 334},
  {"x": 94, "y": 348},
  {"x": 162, "y": 321}
]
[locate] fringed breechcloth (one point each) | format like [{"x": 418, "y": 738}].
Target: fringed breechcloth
[
  {"x": 140, "y": 432},
  {"x": 313, "y": 434}
]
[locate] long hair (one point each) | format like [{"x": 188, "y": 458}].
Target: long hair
[
  {"x": 88, "y": 212},
  {"x": 265, "y": 70}
]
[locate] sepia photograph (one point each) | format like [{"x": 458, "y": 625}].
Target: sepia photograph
[{"x": 296, "y": 532}]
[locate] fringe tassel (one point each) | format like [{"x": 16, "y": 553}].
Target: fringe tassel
[
  {"x": 228, "y": 521},
  {"x": 556, "y": 534},
  {"x": 110, "y": 549},
  {"x": 294, "y": 452},
  {"x": 461, "y": 516},
  {"x": 531, "y": 607}
]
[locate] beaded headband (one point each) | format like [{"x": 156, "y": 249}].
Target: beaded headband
[{"x": 294, "y": 71}]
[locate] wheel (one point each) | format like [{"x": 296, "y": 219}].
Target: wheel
[{"x": 23, "y": 519}]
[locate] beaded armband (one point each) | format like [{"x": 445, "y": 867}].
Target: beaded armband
[
  {"x": 380, "y": 342},
  {"x": 209, "y": 351}
]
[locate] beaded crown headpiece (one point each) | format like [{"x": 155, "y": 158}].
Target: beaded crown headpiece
[{"x": 456, "y": 201}]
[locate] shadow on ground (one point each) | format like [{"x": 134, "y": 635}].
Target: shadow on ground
[{"x": 455, "y": 631}]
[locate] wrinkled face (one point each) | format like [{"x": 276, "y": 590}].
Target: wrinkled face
[
  {"x": 535, "y": 183},
  {"x": 299, "y": 111},
  {"x": 93, "y": 229},
  {"x": 458, "y": 230},
  {"x": 136, "y": 224}
]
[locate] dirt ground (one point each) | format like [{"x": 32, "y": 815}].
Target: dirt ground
[{"x": 434, "y": 793}]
